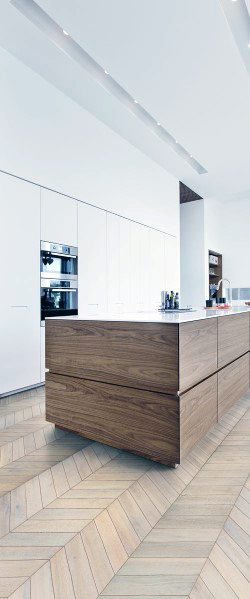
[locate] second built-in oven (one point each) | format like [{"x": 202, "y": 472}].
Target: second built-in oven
[{"x": 58, "y": 298}]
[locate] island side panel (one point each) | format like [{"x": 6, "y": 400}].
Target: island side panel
[
  {"x": 197, "y": 351},
  {"x": 131, "y": 354},
  {"x": 233, "y": 337},
  {"x": 143, "y": 422}
]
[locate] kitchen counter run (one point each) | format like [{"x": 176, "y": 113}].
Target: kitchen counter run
[{"x": 161, "y": 317}]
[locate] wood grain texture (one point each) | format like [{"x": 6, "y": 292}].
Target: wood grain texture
[
  {"x": 233, "y": 382},
  {"x": 197, "y": 351},
  {"x": 233, "y": 337},
  {"x": 138, "y": 355},
  {"x": 144, "y": 422},
  {"x": 198, "y": 413}
]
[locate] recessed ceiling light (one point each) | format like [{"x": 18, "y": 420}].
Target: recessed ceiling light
[
  {"x": 176, "y": 141},
  {"x": 248, "y": 45},
  {"x": 65, "y": 32},
  {"x": 106, "y": 72},
  {"x": 159, "y": 124},
  {"x": 191, "y": 155},
  {"x": 135, "y": 101}
]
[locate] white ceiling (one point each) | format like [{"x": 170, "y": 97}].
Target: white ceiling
[{"x": 181, "y": 61}]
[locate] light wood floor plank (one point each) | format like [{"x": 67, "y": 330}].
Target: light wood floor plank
[
  {"x": 138, "y": 520},
  {"x": 235, "y": 553},
  {"x": 230, "y": 572},
  {"x": 98, "y": 558},
  {"x": 126, "y": 532},
  {"x": 81, "y": 574},
  {"x": 216, "y": 584},
  {"x": 41, "y": 584},
  {"x": 61, "y": 577},
  {"x": 149, "y": 585},
  {"x": 111, "y": 541}
]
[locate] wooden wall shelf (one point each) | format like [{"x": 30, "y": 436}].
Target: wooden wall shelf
[{"x": 218, "y": 271}]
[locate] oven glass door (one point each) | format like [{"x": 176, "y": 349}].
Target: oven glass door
[
  {"x": 58, "y": 302},
  {"x": 56, "y": 265}
]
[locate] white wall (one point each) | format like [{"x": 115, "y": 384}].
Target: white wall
[
  {"x": 222, "y": 226},
  {"x": 228, "y": 232},
  {"x": 49, "y": 139},
  {"x": 192, "y": 267}
]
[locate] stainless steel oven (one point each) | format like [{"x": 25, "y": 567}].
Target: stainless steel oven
[
  {"x": 59, "y": 280},
  {"x": 58, "y": 261}
]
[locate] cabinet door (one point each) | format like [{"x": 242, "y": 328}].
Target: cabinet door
[
  {"x": 118, "y": 264},
  {"x": 157, "y": 268},
  {"x": 20, "y": 275},
  {"x": 140, "y": 257},
  {"x": 125, "y": 265},
  {"x": 92, "y": 260},
  {"x": 113, "y": 263},
  {"x": 58, "y": 218}
]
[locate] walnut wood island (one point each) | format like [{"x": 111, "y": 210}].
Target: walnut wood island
[{"x": 153, "y": 384}]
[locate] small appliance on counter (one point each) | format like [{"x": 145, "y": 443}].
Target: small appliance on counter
[
  {"x": 59, "y": 280},
  {"x": 170, "y": 302}
]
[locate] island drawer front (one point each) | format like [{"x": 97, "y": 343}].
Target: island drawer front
[
  {"x": 138, "y": 355},
  {"x": 143, "y": 422},
  {"x": 197, "y": 351},
  {"x": 233, "y": 337},
  {"x": 198, "y": 413},
  {"x": 233, "y": 382}
]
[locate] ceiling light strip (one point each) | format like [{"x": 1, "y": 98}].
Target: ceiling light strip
[{"x": 61, "y": 38}]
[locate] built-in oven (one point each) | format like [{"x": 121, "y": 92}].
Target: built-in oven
[
  {"x": 58, "y": 261},
  {"x": 59, "y": 280}
]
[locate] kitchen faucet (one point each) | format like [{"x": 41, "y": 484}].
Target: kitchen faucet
[{"x": 229, "y": 288}]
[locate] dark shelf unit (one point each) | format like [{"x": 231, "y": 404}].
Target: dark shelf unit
[{"x": 217, "y": 271}]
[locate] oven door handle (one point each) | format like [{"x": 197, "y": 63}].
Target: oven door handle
[
  {"x": 48, "y": 253},
  {"x": 61, "y": 289}
]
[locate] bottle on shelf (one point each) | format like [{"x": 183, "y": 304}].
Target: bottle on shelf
[{"x": 176, "y": 301}]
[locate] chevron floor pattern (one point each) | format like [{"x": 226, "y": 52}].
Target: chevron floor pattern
[{"x": 80, "y": 520}]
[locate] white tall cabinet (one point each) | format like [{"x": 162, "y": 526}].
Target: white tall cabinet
[
  {"x": 118, "y": 264},
  {"x": 20, "y": 284},
  {"x": 58, "y": 218},
  {"x": 92, "y": 260}
]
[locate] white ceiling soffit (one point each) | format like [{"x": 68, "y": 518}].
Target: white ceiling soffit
[
  {"x": 61, "y": 38},
  {"x": 180, "y": 61},
  {"x": 237, "y": 13}
]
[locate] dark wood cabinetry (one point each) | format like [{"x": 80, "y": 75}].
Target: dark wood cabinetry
[{"x": 153, "y": 388}]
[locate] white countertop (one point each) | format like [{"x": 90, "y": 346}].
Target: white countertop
[{"x": 161, "y": 317}]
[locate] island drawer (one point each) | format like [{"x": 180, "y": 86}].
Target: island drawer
[
  {"x": 198, "y": 413},
  {"x": 233, "y": 337}
]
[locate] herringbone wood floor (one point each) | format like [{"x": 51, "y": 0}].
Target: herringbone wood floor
[{"x": 79, "y": 520}]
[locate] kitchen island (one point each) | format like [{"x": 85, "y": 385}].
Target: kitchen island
[{"x": 153, "y": 384}]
